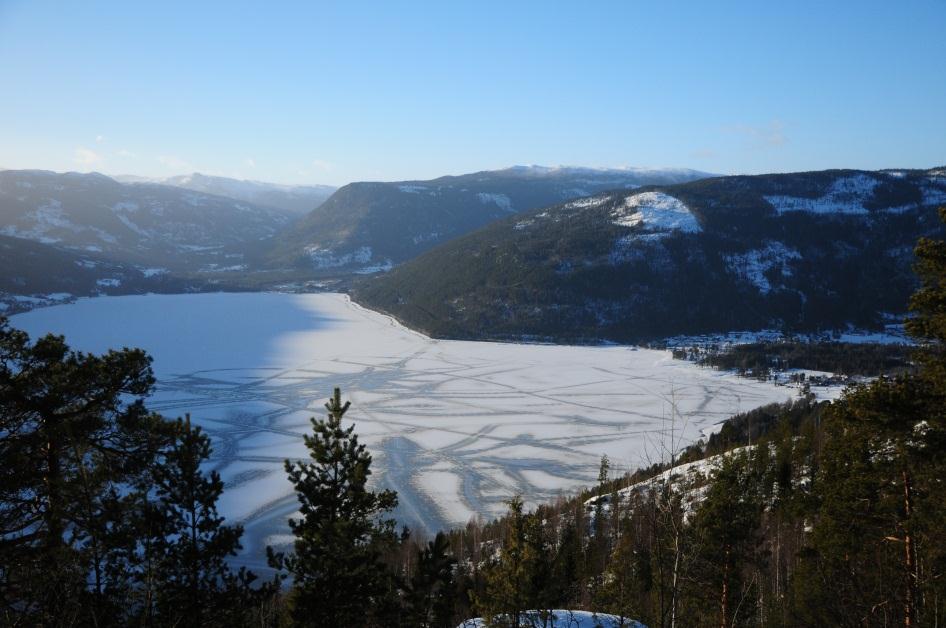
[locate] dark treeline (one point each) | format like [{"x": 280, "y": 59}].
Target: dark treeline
[
  {"x": 760, "y": 359},
  {"x": 805, "y": 514}
]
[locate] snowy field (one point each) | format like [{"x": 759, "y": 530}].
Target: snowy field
[{"x": 455, "y": 427}]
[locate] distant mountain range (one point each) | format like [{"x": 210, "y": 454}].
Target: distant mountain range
[
  {"x": 368, "y": 227},
  {"x": 527, "y": 252},
  {"x": 137, "y": 223},
  {"x": 802, "y": 251},
  {"x": 294, "y": 199}
]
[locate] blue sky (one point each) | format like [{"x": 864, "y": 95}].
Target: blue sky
[{"x": 319, "y": 92}]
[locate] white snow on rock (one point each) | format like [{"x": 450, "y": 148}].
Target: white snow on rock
[
  {"x": 326, "y": 258},
  {"x": 153, "y": 272},
  {"x": 451, "y": 424},
  {"x": 561, "y": 618},
  {"x": 584, "y": 203},
  {"x": 412, "y": 189},
  {"x": 108, "y": 283},
  {"x": 655, "y": 212},
  {"x": 500, "y": 200},
  {"x": 845, "y": 196},
  {"x": 755, "y": 264},
  {"x": 383, "y": 267},
  {"x": 46, "y": 218},
  {"x": 690, "y": 481}
]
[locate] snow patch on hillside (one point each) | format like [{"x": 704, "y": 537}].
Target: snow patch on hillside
[
  {"x": 655, "y": 212},
  {"x": 584, "y": 203},
  {"x": 125, "y": 220},
  {"x": 689, "y": 480},
  {"x": 845, "y": 196},
  {"x": 412, "y": 189},
  {"x": 500, "y": 200},
  {"x": 382, "y": 267},
  {"x": 755, "y": 264},
  {"x": 153, "y": 272},
  {"x": 43, "y": 220},
  {"x": 326, "y": 258}
]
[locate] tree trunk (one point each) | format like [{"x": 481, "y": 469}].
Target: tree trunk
[
  {"x": 909, "y": 605},
  {"x": 724, "y": 596}
]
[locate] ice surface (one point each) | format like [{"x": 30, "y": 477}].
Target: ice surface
[{"x": 455, "y": 427}]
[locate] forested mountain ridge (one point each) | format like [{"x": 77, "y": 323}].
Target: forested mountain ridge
[
  {"x": 367, "y": 227},
  {"x": 39, "y": 274},
  {"x": 800, "y": 251},
  {"x": 138, "y": 223}
]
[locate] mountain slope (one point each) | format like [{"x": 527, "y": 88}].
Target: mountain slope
[
  {"x": 137, "y": 223},
  {"x": 799, "y": 251},
  {"x": 366, "y": 227},
  {"x": 294, "y": 199},
  {"x": 37, "y": 274}
]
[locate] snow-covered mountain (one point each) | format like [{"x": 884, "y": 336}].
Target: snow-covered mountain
[
  {"x": 139, "y": 223},
  {"x": 797, "y": 252},
  {"x": 295, "y": 199},
  {"x": 367, "y": 227}
]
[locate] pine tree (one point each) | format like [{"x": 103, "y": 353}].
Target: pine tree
[
  {"x": 724, "y": 530},
  {"x": 882, "y": 493},
  {"x": 624, "y": 583},
  {"x": 928, "y": 305},
  {"x": 193, "y": 585},
  {"x": 339, "y": 577},
  {"x": 71, "y": 443},
  {"x": 431, "y": 590},
  {"x": 509, "y": 591}
]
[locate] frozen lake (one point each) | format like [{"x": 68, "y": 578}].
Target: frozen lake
[{"x": 455, "y": 427}]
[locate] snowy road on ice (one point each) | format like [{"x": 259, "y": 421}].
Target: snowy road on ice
[{"x": 455, "y": 427}]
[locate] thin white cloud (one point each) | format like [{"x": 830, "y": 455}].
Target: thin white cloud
[
  {"x": 250, "y": 162},
  {"x": 99, "y": 139},
  {"x": 125, "y": 154},
  {"x": 321, "y": 164},
  {"x": 86, "y": 157}
]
